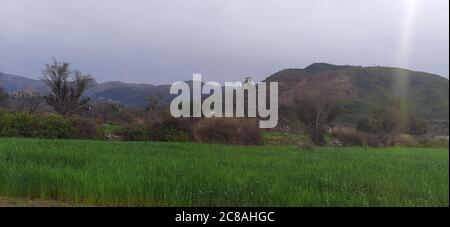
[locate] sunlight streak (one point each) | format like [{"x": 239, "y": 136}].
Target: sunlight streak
[
  {"x": 404, "y": 51},
  {"x": 407, "y": 33}
]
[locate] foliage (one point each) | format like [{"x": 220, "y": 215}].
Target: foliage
[
  {"x": 134, "y": 133},
  {"x": 111, "y": 128},
  {"x": 66, "y": 95},
  {"x": 170, "y": 134},
  {"x": 22, "y": 124},
  {"x": 173, "y": 129},
  {"x": 35, "y": 126},
  {"x": 386, "y": 121},
  {"x": 316, "y": 114},
  {"x": 84, "y": 128},
  {"x": 416, "y": 127},
  {"x": 426, "y": 95}
]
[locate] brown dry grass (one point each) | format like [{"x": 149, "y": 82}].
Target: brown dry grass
[{"x": 13, "y": 202}]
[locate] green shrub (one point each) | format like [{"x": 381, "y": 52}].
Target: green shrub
[
  {"x": 111, "y": 128},
  {"x": 134, "y": 133},
  {"x": 52, "y": 127},
  {"x": 173, "y": 130},
  {"x": 278, "y": 138},
  {"x": 100, "y": 134},
  {"x": 35, "y": 126},
  {"x": 175, "y": 135},
  {"x": 14, "y": 125}
]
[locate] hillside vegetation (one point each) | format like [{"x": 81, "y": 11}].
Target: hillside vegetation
[{"x": 362, "y": 89}]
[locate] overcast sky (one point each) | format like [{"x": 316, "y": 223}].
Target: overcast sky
[{"x": 162, "y": 41}]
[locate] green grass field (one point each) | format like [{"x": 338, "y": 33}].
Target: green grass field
[{"x": 183, "y": 174}]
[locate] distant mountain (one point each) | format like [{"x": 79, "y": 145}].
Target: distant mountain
[
  {"x": 13, "y": 83},
  {"x": 135, "y": 95},
  {"x": 361, "y": 89},
  {"x": 128, "y": 94}
]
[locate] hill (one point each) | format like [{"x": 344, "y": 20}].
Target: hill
[
  {"x": 360, "y": 88},
  {"x": 363, "y": 88},
  {"x": 13, "y": 83}
]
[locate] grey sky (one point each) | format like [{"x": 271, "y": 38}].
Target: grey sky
[{"x": 162, "y": 41}]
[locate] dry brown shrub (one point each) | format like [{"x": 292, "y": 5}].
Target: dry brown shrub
[{"x": 243, "y": 131}]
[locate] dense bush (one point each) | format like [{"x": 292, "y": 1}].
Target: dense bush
[
  {"x": 14, "y": 125},
  {"x": 52, "y": 127},
  {"x": 416, "y": 127},
  {"x": 175, "y": 135},
  {"x": 84, "y": 128},
  {"x": 350, "y": 137},
  {"x": 23, "y": 124},
  {"x": 366, "y": 125},
  {"x": 405, "y": 140},
  {"x": 134, "y": 133},
  {"x": 173, "y": 129},
  {"x": 36, "y": 126},
  {"x": 228, "y": 131},
  {"x": 214, "y": 130},
  {"x": 169, "y": 129}
]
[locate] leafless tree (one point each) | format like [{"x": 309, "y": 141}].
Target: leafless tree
[
  {"x": 67, "y": 88},
  {"x": 26, "y": 101},
  {"x": 316, "y": 113}
]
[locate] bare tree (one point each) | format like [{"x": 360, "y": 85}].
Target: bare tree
[
  {"x": 316, "y": 113},
  {"x": 26, "y": 101},
  {"x": 67, "y": 88}
]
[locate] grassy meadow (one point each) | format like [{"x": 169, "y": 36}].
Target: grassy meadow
[{"x": 184, "y": 174}]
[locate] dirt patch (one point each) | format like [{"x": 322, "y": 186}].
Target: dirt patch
[{"x": 13, "y": 202}]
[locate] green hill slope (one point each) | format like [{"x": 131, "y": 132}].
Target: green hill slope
[{"x": 363, "y": 88}]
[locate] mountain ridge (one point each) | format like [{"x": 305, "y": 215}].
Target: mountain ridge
[{"x": 362, "y": 87}]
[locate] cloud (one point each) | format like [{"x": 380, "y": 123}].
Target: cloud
[{"x": 168, "y": 40}]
